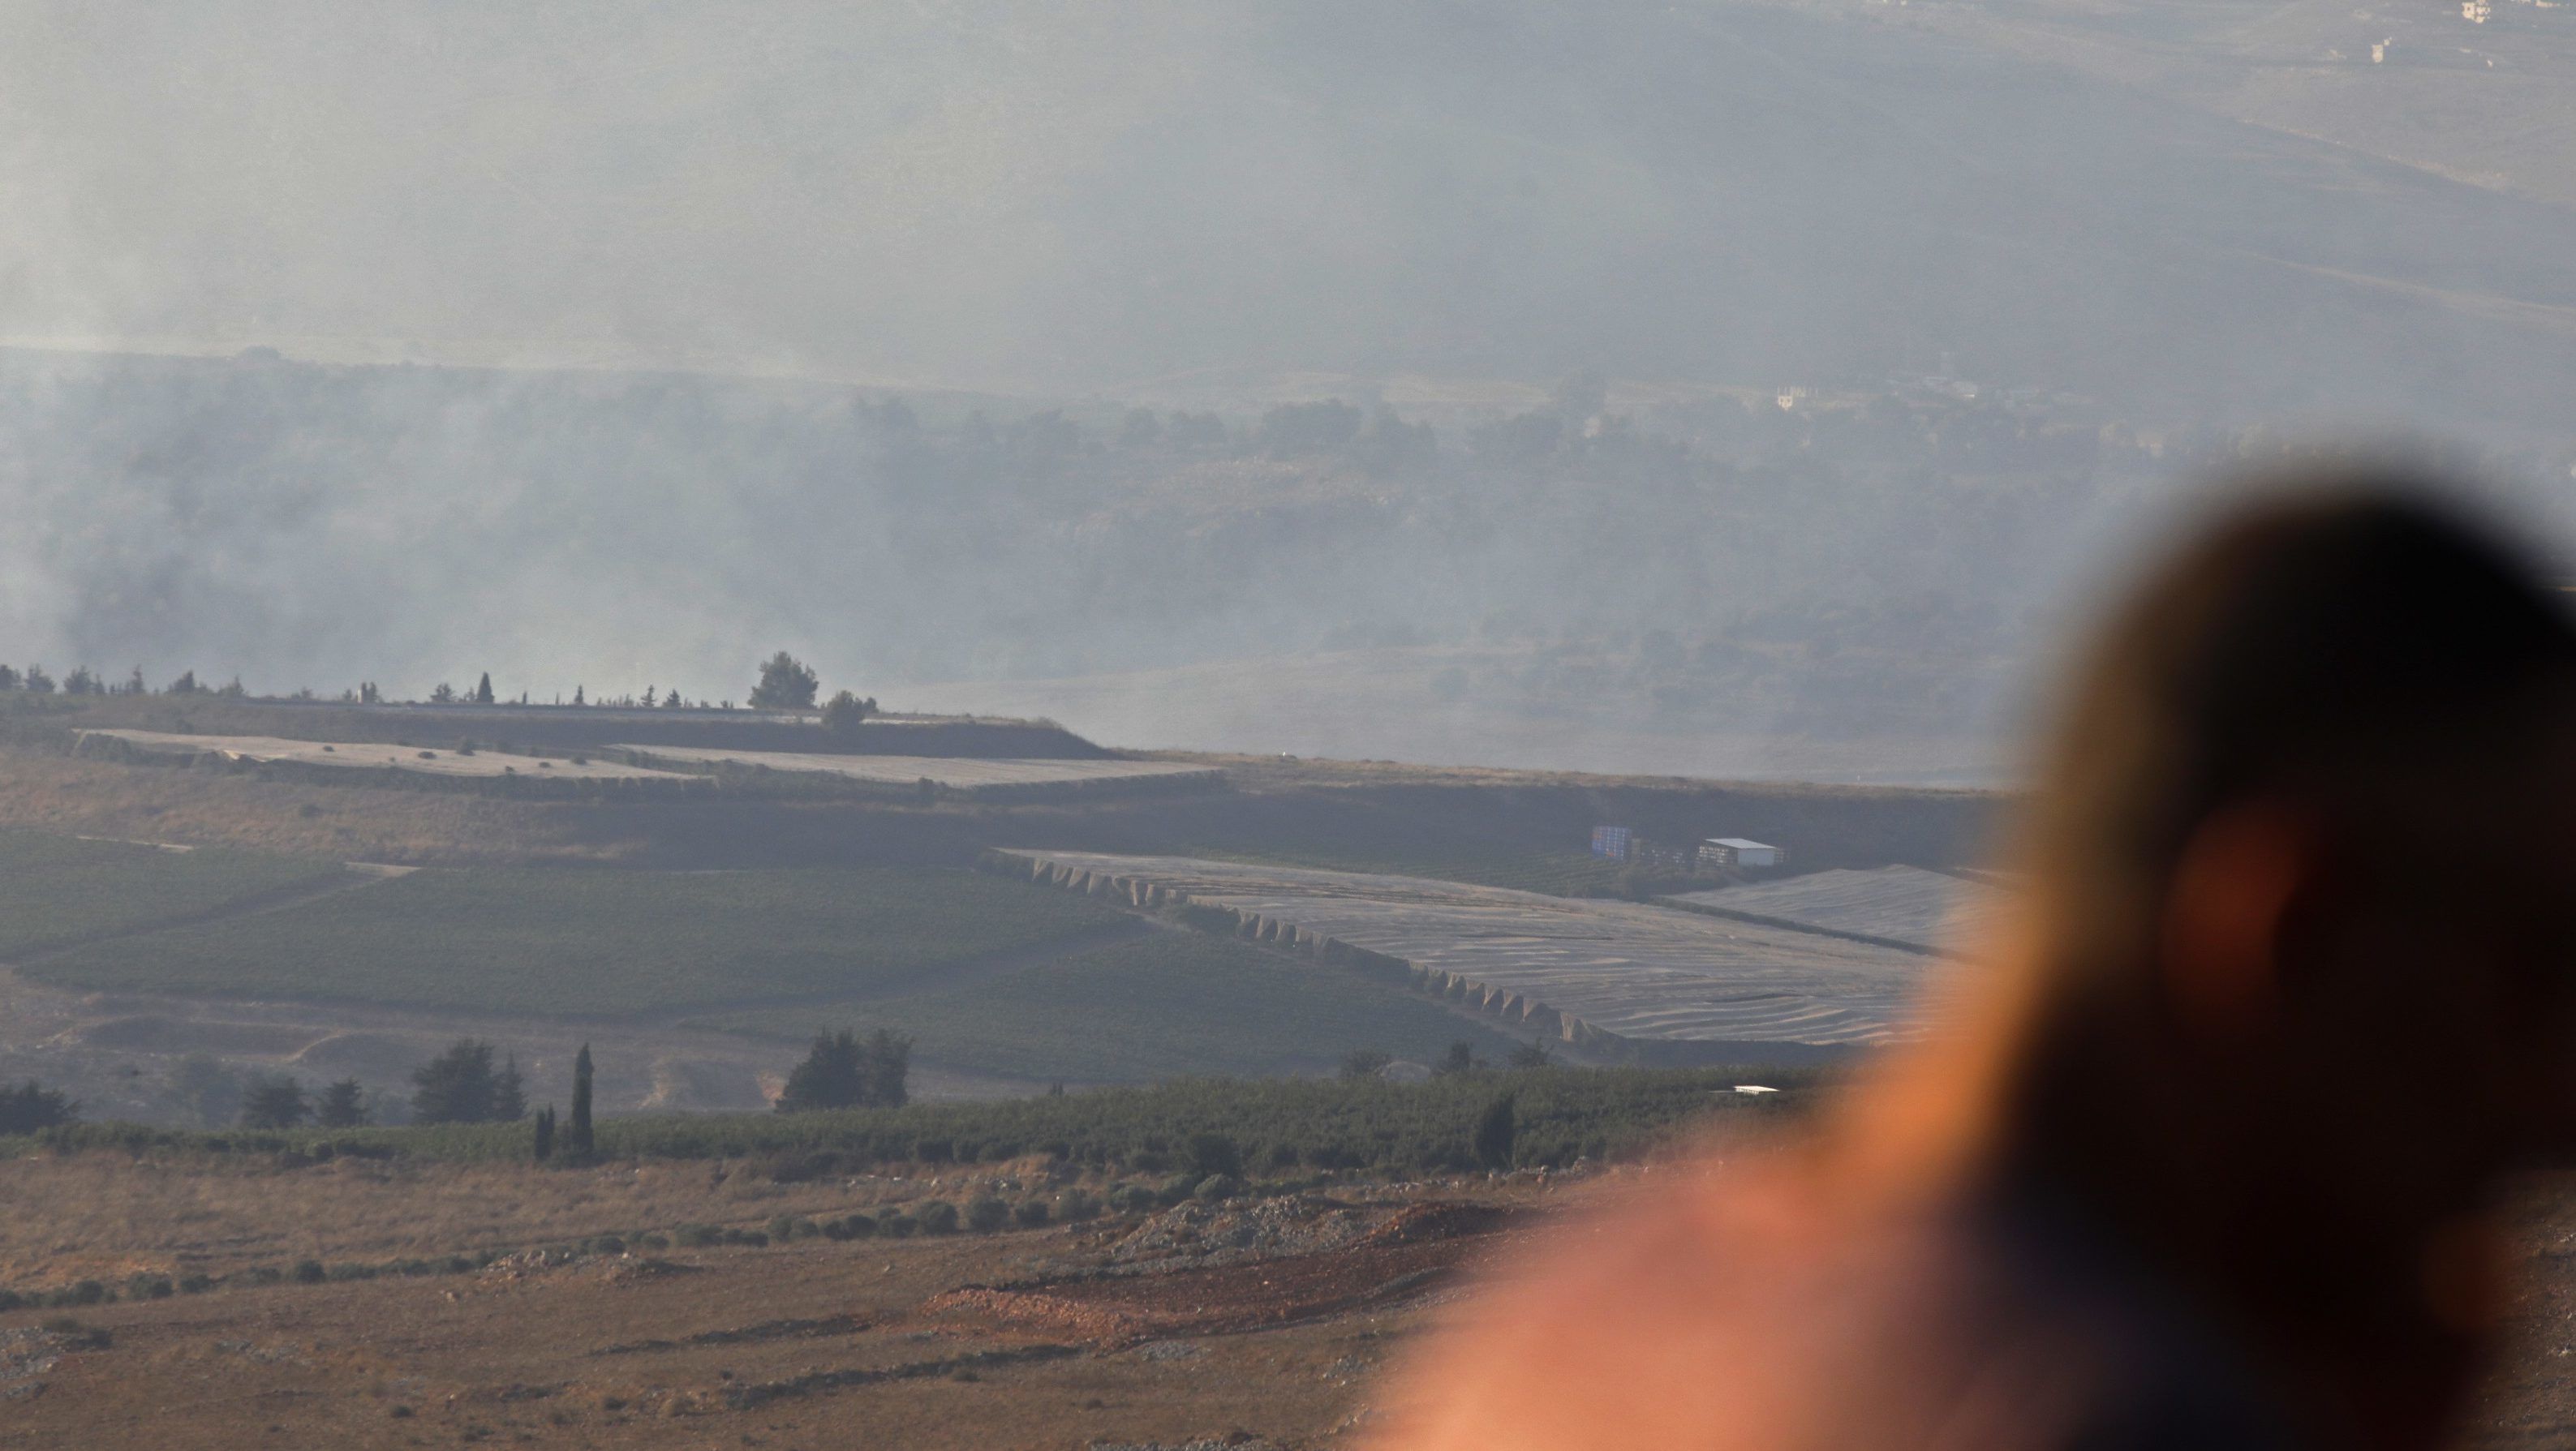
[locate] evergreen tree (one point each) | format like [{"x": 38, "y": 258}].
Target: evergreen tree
[
  {"x": 38, "y": 682},
  {"x": 456, "y": 1087},
  {"x": 1495, "y": 1131},
  {"x": 832, "y": 1076},
  {"x": 186, "y": 684},
  {"x": 888, "y": 1064},
  {"x": 8, "y": 678},
  {"x": 274, "y": 1101},
  {"x": 509, "y": 1094},
  {"x": 544, "y": 1147},
  {"x": 576, "y": 696},
  {"x": 785, "y": 684},
  {"x": 483, "y": 692},
  {"x": 343, "y": 1105},
  {"x": 844, "y": 713},
  {"x": 442, "y": 694},
  {"x": 579, "y": 1140},
  {"x": 648, "y": 697},
  {"x": 27, "y": 1108}
]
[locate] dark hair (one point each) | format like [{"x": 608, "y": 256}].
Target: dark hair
[{"x": 2347, "y": 641}]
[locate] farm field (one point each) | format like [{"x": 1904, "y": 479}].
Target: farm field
[
  {"x": 1168, "y": 1003},
  {"x": 1901, "y": 904},
  {"x": 56, "y": 889},
  {"x": 353, "y": 755},
  {"x": 258, "y": 1298},
  {"x": 1006, "y": 777},
  {"x": 1557, "y": 874},
  {"x": 595, "y": 942},
  {"x": 1618, "y": 977}
]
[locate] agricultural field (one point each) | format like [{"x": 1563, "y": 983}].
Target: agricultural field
[
  {"x": 1167, "y": 1003},
  {"x": 1617, "y": 978},
  {"x": 354, "y": 756},
  {"x": 61, "y": 889},
  {"x": 1904, "y": 905},
  {"x": 1555, "y": 873},
  {"x": 1016, "y": 778},
  {"x": 596, "y": 942}
]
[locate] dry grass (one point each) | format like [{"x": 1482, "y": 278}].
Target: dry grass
[
  {"x": 104, "y": 1216},
  {"x": 43, "y": 790}
]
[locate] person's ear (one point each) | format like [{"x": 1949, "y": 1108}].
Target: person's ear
[{"x": 2226, "y": 908}]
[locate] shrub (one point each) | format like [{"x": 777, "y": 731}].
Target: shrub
[
  {"x": 938, "y": 1217},
  {"x": 1217, "y": 1186},
  {"x": 987, "y": 1214},
  {"x": 606, "y": 1244},
  {"x": 849, "y": 1226},
  {"x": 88, "y": 1292},
  {"x": 697, "y": 1236},
  {"x": 1136, "y": 1199},
  {"x": 1032, "y": 1213},
  {"x": 898, "y": 1225},
  {"x": 1179, "y": 1187},
  {"x": 1214, "y": 1153},
  {"x": 1495, "y": 1130},
  {"x": 195, "y": 1284},
  {"x": 782, "y": 1227},
  {"x": 1080, "y": 1206}
]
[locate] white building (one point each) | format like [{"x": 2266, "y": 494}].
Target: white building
[{"x": 1722, "y": 852}]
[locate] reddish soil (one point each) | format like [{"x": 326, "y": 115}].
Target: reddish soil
[{"x": 1412, "y": 1251}]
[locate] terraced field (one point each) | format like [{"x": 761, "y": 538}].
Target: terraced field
[
  {"x": 357, "y": 755},
  {"x": 1167, "y": 1003},
  {"x": 56, "y": 889},
  {"x": 1906, "y": 905},
  {"x": 595, "y": 943},
  {"x": 972, "y": 776},
  {"x": 1625, "y": 979}
]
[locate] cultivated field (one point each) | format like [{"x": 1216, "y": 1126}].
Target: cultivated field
[
  {"x": 59, "y": 889},
  {"x": 1013, "y": 778},
  {"x": 1166, "y": 1002},
  {"x": 1613, "y": 977},
  {"x": 352, "y": 755},
  {"x": 595, "y": 942},
  {"x": 1906, "y": 905}
]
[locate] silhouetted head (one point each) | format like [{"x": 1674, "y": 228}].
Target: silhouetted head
[{"x": 2302, "y": 948}]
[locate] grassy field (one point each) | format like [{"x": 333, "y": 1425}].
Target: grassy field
[
  {"x": 62, "y": 889},
  {"x": 1169, "y": 1004},
  {"x": 605, "y": 943}
]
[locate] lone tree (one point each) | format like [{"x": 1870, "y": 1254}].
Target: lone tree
[
  {"x": 844, "y": 713},
  {"x": 786, "y": 683},
  {"x": 27, "y": 1108},
  {"x": 544, "y": 1147},
  {"x": 578, "y": 1140},
  {"x": 456, "y": 1087},
  {"x": 842, "y": 1072},
  {"x": 274, "y": 1101},
  {"x": 343, "y": 1105},
  {"x": 483, "y": 692},
  {"x": 442, "y": 694}
]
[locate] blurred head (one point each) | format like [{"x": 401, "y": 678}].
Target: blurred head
[{"x": 2303, "y": 912}]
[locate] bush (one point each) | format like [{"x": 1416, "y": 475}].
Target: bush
[
  {"x": 1217, "y": 1186},
  {"x": 1079, "y": 1207},
  {"x": 849, "y": 1226},
  {"x": 1179, "y": 1187},
  {"x": 987, "y": 1214},
  {"x": 1135, "y": 1199},
  {"x": 309, "y": 1272},
  {"x": 195, "y": 1284},
  {"x": 898, "y": 1225},
  {"x": 1032, "y": 1213},
  {"x": 1214, "y": 1153},
  {"x": 937, "y": 1217},
  {"x": 697, "y": 1236}
]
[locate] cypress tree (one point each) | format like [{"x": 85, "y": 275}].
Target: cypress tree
[
  {"x": 545, "y": 1144},
  {"x": 578, "y": 1140},
  {"x": 483, "y": 692}
]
